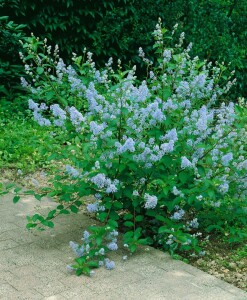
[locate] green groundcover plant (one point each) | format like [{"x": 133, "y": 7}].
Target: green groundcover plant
[{"x": 164, "y": 158}]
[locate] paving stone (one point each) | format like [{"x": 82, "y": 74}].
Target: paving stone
[
  {"x": 55, "y": 297},
  {"x": 7, "y": 226},
  {"x": 32, "y": 266},
  {"x": 115, "y": 281},
  {"x": 28, "y": 295},
  {"x": 73, "y": 281},
  {"x": 7, "y": 244},
  {"x": 27, "y": 282},
  {"x": 7, "y": 276},
  {"x": 77, "y": 293},
  {"x": 25, "y": 270},
  {"x": 216, "y": 294},
  {"x": 51, "y": 288},
  {"x": 6, "y": 290}
]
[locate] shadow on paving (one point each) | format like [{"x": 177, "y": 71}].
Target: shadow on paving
[{"x": 33, "y": 265}]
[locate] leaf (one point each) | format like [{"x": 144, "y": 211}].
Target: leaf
[
  {"x": 60, "y": 207},
  {"x": 184, "y": 176},
  {"x": 118, "y": 204},
  {"x": 201, "y": 171},
  {"x": 128, "y": 217},
  {"x": 160, "y": 218},
  {"x": 128, "y": 224},
  {"x": 51, "y": 213},
  {"x": 9, "y": 186},
  {"x": 38, "y": 197},
  {"x": 48, "y": 223},
  {"x": 132, "y": 248},
  {"x": 64, "y": 212},
  {"x": 16, "y": 199},
  {"x": 78, "y": 271},
  {"x": 143, "y": 241},
  {"x": 102, "y": 216},
  {"x": 80, "y": 260},
  {"x": 37, "y": 217},
  {"x": 74, "y": 209},
  {"x": 137, "y": 233},
  {"x": 112, "y": 223},
  {"x": 93, "y": 264},
  {"x": 98, "y": 240},
  {"x": 31, "y": 225},
  {"x": 30, "y": 192},
  {"x": 40, "y": 70},
  {"x": 164, "y": 229},
  {"x": 139, "y": 218},
  {"x": 113, "y": 215},
  {"x": 86, "y": 270}
]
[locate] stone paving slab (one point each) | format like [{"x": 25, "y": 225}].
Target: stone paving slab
[{"x": 32, "y": 265}]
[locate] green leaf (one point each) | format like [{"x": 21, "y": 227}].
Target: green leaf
[
  {"x": 51, "y": 213},
  {"x": 113, "y": 215},
  {"x": 132, "y": 248},
  {"x": 38, "y": 197},
  {"x": 139, "y": 218},
  {"x": 16, "y": 199},
  {"x": 64, "y": 212},
  {"x": 98, "y": 240},
  {"x": 201, "y": 171},
  {"x": 143, "y": 241},
  {"x": 164, "y": 229},
  {"x": 48, "y": 223},
  {"x": 93, "y": 264},
  {"x": 128, "y": 217},
  {"x": 128, "y": 224},
  {"x": 112, "y": 223},
  {"x": 80, "y": 260},
  {"x": 37, "y": 217},
  {"x": 40, "y": 70},
  {"x": 78, "y": 271},
  {"x": 9, "y": 186},
  {"x": 137, "y": 233},
  {"x": 31, "y": 225},
  {"x": 17, "y": 190},
  {"x": 74, "y": 209},
  {"x": 60, "y": 207},
  {"x": 184, "y": 176},
  {"x": 30, "y": 192},
  {"x": 117, "y": 204},
  {"x": 102, "y": 216},
  {"x": 160, "y": 218}
]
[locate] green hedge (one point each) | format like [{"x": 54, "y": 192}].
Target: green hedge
[
  {"x": 11, "y": 68},
  {"x": 217, "y": 28}
]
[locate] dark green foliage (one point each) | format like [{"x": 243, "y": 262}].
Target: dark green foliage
[
  {"x": 11, "y": 68},
  {"x": 118, "y": 28}
]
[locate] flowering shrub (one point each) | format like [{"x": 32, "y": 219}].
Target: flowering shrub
[{"x": 165, "y": 158}]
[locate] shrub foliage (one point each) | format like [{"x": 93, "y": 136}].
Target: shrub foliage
[{"x": 164, "y": 158}]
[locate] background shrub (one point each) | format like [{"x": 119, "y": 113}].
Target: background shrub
[
  {"x": 11, "y": 68},
  {"x": 117, "y": 28}
]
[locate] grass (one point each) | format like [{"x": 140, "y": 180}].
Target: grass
[{"x": 24, "y": 144}]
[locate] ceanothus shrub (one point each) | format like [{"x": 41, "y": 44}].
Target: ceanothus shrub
[{"x": 157, "y": 156}]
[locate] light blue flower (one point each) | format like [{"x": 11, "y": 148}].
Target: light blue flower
[{"x": 110, "y": 265}]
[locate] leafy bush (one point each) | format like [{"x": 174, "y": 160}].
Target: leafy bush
[
  {"x": 11, "y": 68},
  {"x": 217, "y": 28},
  {"x": 164, "y": 158}
]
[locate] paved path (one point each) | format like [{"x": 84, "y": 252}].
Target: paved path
[{"x": 32, "y": 266}]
